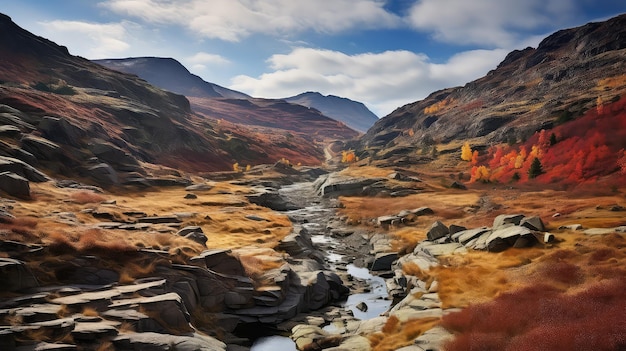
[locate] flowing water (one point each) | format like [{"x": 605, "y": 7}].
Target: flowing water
[{"x": 314, "y": 214}]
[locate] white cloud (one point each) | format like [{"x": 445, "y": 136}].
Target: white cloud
[
  {"x": 91, "y": 40},
  {"x": 488, "y": 22},
  {"x": 232, "y": 20},
  {"x": 383, "y": 81},
  {"x": 204, "y": 58}
]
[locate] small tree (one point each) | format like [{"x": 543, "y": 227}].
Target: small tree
[
  {"x": 466, "y": 152},
  {"x": 553, "y": 139},
  {"x": 535, "y": 168}
]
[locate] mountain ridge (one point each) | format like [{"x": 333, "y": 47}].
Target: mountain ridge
[{"x": 355, "y": 114}]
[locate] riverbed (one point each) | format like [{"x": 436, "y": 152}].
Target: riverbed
[{"x": 315, "y": 214}]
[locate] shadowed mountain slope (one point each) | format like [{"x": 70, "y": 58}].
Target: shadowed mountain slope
[
  {"x": 569, "y": 73},
  {"x": 354, "y": 114}
]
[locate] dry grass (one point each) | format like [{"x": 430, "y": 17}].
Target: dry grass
[
  {"x": 396, "y": 334},
  {"x": 256, "y": 262},
  {"x": 86, "y": 197}
]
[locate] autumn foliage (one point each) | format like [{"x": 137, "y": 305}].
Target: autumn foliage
[
  {"x": 542, "y": 317},
  {"x": 580, "y": 151}
]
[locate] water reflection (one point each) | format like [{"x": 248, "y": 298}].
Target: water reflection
[{"x": 274, "y": 343}]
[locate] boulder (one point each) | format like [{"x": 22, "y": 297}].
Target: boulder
[
  {"x": 507, "y": 219},
  {"x": 271, "y": 199},
  {"x": 168, "y": 309},
  {"x": 533, "y": 223},
  {"x": 387, "y": 221},
  {"x": 21, "y": 168},
  {"x": 112, "y": 154},
  {"x": 505, "y": 237},
  {"x": 194, "y": 233},
  {"x": 165, "y": 342},
  {"x": 383, "y": 260},
  {"x": 61, "y": 130},
  {"x": 41, "y": 148},
  {"x": 221, "y": 261},
  {"x": 14, "y": 185},
  {"x": 465, "y": 236},
  {"x": 437, "y": 230},
  {"x": 103, "y": 174},
  {"x": 422, "y": 211},
  {"x": 444, "y": 249},
  {"x": 334, "y": 185}
]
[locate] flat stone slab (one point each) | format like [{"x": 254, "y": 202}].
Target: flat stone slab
[
  {"x": 444, "y": 249},
  {"x": 508, "y": 232},
  {"x": 599, "y": 231}
]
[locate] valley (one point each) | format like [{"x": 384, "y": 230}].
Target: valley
[{"x": 489, "y": 216}]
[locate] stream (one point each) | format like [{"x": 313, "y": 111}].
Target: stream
[{"x": 314, "y": 215}]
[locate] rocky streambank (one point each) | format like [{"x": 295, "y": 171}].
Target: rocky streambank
[{"x": 309, "y": 287}]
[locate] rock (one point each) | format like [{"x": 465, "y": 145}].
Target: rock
[
  {"x": 507, "y": 219},
  {"x": 14, "y": 185},
  {"x": 221, "y": 261},
  {"x": 443, "y": 249},
  {"x": 465, "y": 236},
  {"x": 164, "y": 342},
  {"x": 533, "y": 223},
  {"x": 112, "y": 154},
  {"x": 458, "y": 185},
  {"x": 92, "y": 331},
  {"x": 168, "y": 309},
  {"x": 61, "y": 130},
  {"x": 22, "y": 168},
  {"x": 256, "y": 218},
  {"x": 15, "y": 275},
  {"x": 336, "y": 185},
  {"x": 437, "y": 230},
  {"x": 271, "y": 199},
  {"x": 9, "y": 131},
  {"x": 194, "y": 233},
  {"x": 387, "y": 221},
  {"x": 103, "y": 174},
  {"x": 41, "y": 148},
  {"x": 599, "y": 231},
  {"x": 159, "y": 219},
  {"x": 199, "y": 187},
  {"x": 505, "y": 237},
  {"x": 456, "y": 228},
  {"x": 572, "y": 227},
  {"x": 44, "y": 346},
  {"x": 383, "y": 260}
]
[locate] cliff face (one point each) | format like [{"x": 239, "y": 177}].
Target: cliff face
[{"x": 567, "y": 74}]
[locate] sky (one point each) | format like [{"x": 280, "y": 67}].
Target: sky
[{"x": 382, "y": 53}]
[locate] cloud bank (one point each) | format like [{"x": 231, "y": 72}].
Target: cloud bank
[
  {"x": 232, "y": 20},
  {"x": 384, "y": 81}
]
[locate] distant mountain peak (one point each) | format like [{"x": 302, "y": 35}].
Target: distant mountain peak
[
  {"x": 353, "y": 113},
  {"x": 170, "y": 74}
]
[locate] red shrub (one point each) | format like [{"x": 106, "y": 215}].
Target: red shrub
[{"x": 543, "y": 318}]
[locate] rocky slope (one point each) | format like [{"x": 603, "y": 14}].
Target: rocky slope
[
  {"x": 70, "y": 117},
  {"x": 570, "y": 72},
  {"x": 354, "y": 114}
]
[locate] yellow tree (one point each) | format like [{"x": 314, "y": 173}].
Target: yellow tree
[{"x": 466, "y": 152}]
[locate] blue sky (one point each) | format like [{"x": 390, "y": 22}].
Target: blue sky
[{"x": 382, "y": 53}]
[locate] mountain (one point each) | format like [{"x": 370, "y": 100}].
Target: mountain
[
  {"x": 69, "y": 117},
  {"x": 573, "y": 74},
  {"x": 354, "y": 114},
  {"x": 170, "y": 75},
  {"x": 219, "y": 103}
]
